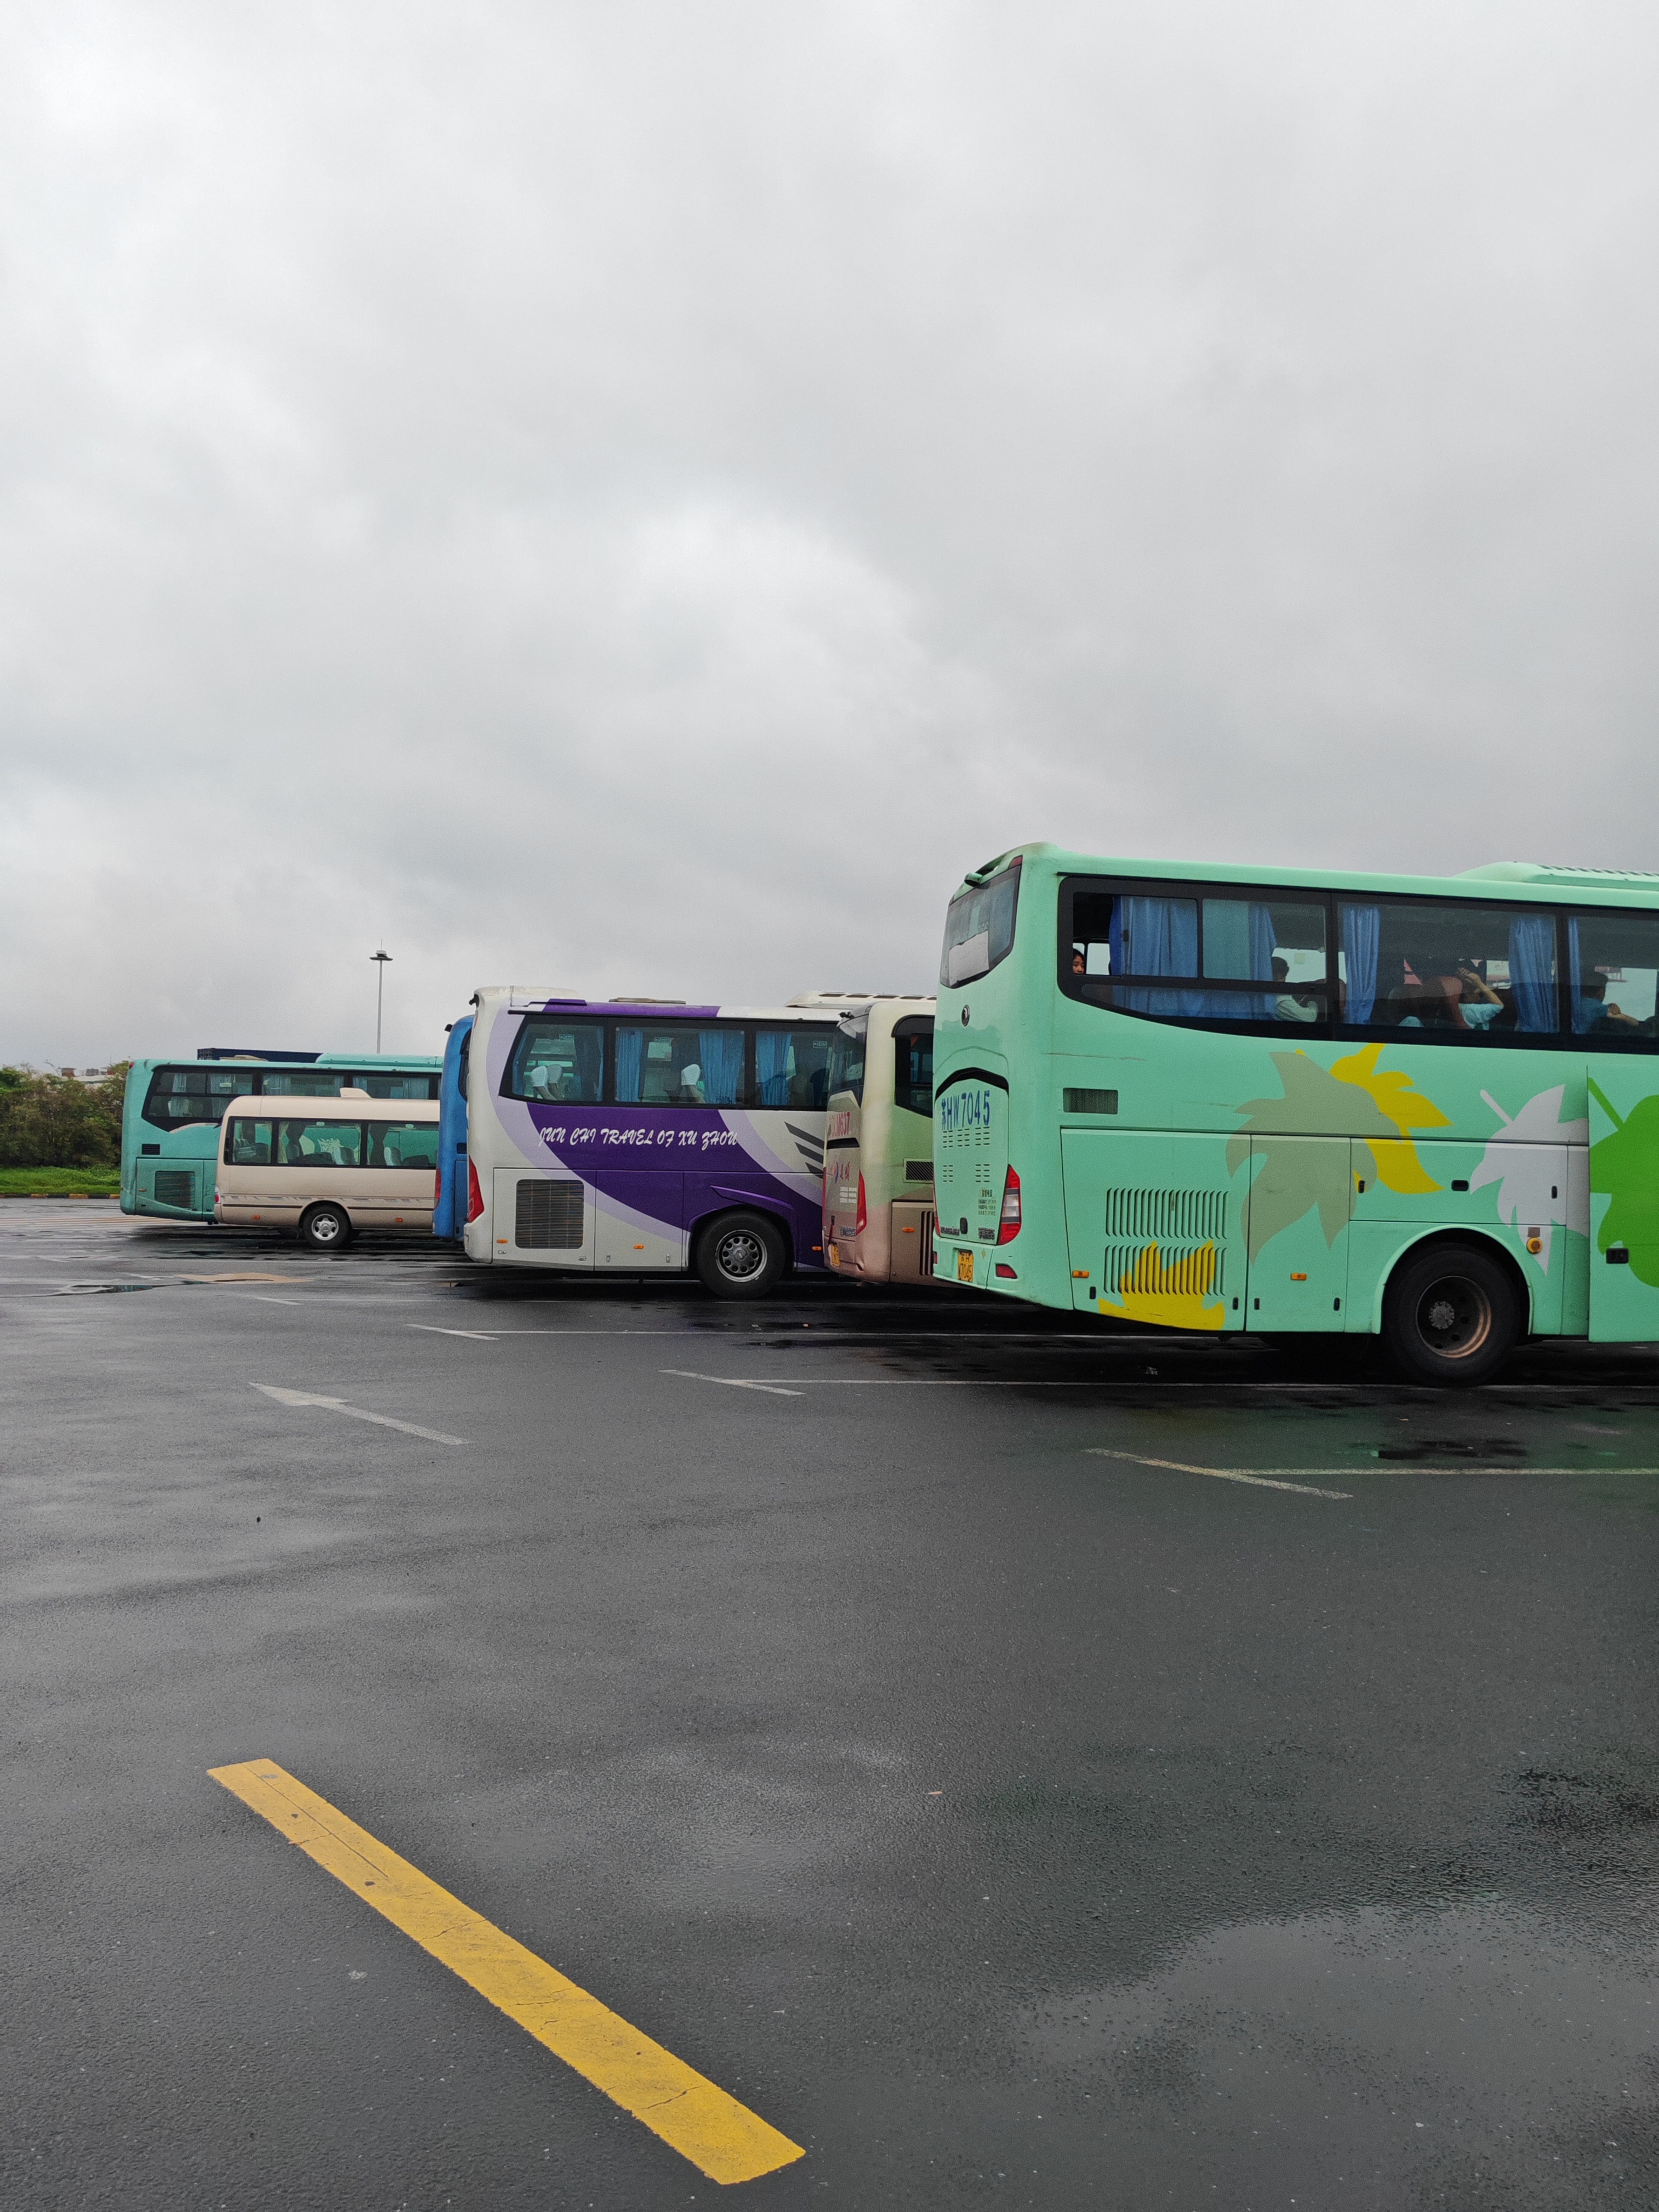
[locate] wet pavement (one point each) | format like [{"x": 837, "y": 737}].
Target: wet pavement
[{"x": 904, "y": 1710}]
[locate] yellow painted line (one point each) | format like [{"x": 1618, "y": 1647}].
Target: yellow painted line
[{"x": 724, "y": 2139}]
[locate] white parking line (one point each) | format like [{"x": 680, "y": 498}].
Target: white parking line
[
  {"x": 803, "y": 1382},
  {"x": 1264, "y": 1479},
  {"x": 354, "y": 1413},
  {"x": 732, "y": 1382},
  {"x": 430, "y": 1329}
]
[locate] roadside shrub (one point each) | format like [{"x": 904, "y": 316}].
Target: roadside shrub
[{"x": 55, "y": 1121}]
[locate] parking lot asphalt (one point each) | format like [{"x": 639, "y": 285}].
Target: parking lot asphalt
[{"x": 899, "y": 1707}]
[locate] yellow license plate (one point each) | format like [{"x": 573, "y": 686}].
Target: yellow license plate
[{"x": 964, "y": 1266}]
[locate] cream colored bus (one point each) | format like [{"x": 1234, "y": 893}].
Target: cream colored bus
[
  {"x": 878, "y": 1143},
  {"x": 328, "y": 1167}
]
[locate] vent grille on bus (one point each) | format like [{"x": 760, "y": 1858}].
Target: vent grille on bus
[
  {"x": 548, "y": 1216},
  {"x": 175, "y": 1187},
  {"x": 1190, "y": 1216}
]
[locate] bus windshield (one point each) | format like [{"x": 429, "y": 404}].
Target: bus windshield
[
  {"x": 979, "y": 929},
  {"x": 846, "y": 1051}
]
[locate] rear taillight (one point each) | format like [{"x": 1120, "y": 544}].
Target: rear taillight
[
  {"x": 474, "y": 1194},
  {"x": 1008, "y": 1227},
  {"x": 863, "y": 1216}
]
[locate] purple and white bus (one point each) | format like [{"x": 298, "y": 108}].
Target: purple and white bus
[{"x": 638, "y": 1136}]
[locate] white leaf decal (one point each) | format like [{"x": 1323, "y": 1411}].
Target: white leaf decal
[{"x": 1530, "y": 1184}]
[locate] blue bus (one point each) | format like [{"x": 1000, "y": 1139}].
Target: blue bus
[
  {"x": 642, "y": 1136},
  {"x": 449, "y": 1212},
  {"x": 172, "y": 1110}
]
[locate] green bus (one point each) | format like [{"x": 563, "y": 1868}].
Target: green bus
[{"x": 1259, "y": 1099}]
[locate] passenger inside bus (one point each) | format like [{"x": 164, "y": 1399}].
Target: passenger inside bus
[{"x": 1287, "y": 1007}]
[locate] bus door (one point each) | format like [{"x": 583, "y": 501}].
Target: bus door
[
  {"x": 1623, "y": 1181},
  {"x": 1297, "y": 1232},
  {"x": 1154, "y": 1226},
  {"x": 544, "y": 1216}
]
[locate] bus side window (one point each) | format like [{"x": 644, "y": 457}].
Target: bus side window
[
  {"x": 1613, "y": 972},
  {"x": 1462, "y": 971},
  {"x": 792, "y": 1068},
  {"x": 249, "y": 1143},
  {"x": 558, "y": 1062}
]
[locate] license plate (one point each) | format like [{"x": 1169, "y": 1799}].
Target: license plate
[{"x": 964, "y": 1266}]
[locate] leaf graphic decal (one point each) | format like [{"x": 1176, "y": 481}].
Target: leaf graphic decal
[
  {"x": 1352, "y": 1099},
  {"x": 1626, "y": 1165},
  {"x": 1170, "y": 1292},
  {"x": 1529, "y": 1185}
]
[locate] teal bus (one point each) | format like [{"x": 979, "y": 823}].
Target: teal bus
[
  {"x": 172, "y": 1110},
  {"x": 1423, "y": 1109}
]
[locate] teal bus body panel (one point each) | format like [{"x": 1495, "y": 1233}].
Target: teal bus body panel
[
  {"x": 1623, "y": 1181},
  {"x": 1318, "y": 1166}
]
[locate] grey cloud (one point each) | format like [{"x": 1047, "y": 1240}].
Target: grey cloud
[{"x": 643, "y": 498}]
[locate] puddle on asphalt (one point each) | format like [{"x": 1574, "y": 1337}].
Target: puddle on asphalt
[{"x": 1481, "y": 2055}]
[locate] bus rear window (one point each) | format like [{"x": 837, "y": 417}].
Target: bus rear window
[
  {"x": 979, "y": 929},
  {"x": 557, "y": 1063}
]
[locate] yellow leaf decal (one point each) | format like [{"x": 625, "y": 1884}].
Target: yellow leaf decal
[
  {"x": 1398, "y": 1166},
  {"x": 1391, "y": 1093},
  {"x": 1171, "y": 1294}
]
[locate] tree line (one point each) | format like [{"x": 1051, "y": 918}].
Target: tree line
[{"x": 50, "y": 1121}]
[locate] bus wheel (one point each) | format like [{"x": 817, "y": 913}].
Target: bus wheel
[
  {"x": 1450, "y": 1315},
  {"x": 325, "y": 1228},
  {"x": 741, "y": 1255}
]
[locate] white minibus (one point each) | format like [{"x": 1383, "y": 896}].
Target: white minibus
[{"x": 328, "y": 1167}]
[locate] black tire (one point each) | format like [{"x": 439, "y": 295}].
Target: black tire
[
  {"x": 325, "y": 1228},
  {"x": 1450, "y": 1315},
  {"x": 741, "y": 1255}
]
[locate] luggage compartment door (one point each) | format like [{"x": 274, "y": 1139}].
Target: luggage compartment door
[{"x": 1155, "y": 1227}]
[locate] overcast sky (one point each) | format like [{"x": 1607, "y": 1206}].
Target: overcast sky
[{"x": 639, "y": 497}]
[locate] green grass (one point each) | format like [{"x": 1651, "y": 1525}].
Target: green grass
[{"x": 59, "y": 1183}]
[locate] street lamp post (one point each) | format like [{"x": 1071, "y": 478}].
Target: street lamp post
[{"x": 380, "y": 958}]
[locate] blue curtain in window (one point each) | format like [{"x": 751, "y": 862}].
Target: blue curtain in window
[
  {"x": 1362, "y": 935},
  {"x": 721, "y": 1054},
  {"x": 772, "y": 1067},
  {"x": 1248, "y": 1007},
  {"x": 1586, "y": 1010},
  {"x": 1156, "y": 937},
  {"x": 590, "y": 1051},
  {"x": 630, "y": 1053},
  {"x": 1532, "y": 969}
]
